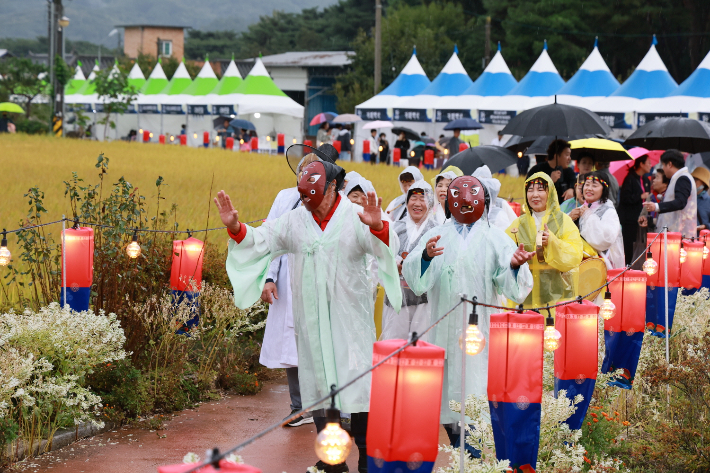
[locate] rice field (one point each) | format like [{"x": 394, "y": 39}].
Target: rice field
[{"x": 193, "y": 176}]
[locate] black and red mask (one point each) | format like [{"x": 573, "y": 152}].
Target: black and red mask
[
  {"x": 312, "y": 185},
  {"x": 466, "y": 199}
]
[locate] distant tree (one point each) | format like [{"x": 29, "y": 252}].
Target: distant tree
[
  {"x": 22, "y": 77},
  {"x": 115, "y": 93},
  {"x": 218, "y": 44}
]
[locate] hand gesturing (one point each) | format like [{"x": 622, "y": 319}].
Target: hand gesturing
[
  {"x": 520, "y": 257},
  {"x": 227, "y": 212},
  {"x": 372, "y": 212}
]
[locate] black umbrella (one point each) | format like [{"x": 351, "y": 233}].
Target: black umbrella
[
  {"x": 495, "y": 157},
  {"x": 556, "y": 120},
  {"x": 463, "y": 124},
  {"x": 219, "y": 121},
  {"x": 533, "y": 145},
  {"x": 238, "y": 123},
  {"x": 408, "y": 133},
  {"x": 684, "y": 134}
]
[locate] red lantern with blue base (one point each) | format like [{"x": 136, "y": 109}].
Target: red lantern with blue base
[
  {"x": 186, "y": 275},
  {"x": 691, "y": 270},
  {"x": 623, "y": 333},
  {"x": 280, "y": 143},
  {"x": 366, "y": 151},
  {"x": 704, "y": 236},
  {"x": 406, "y": 402},
  {"x": 656, "y": 309},
  {"x": 79, "y": 270},
  {"x": 515, "y": 386},
  {"x": 576, "y": 359}
]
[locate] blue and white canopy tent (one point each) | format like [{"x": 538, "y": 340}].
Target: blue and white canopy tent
[
  {"x": 539, "y": 84},
  {"x": 410, "y": 82},
  {"x": 495, "y": 81},
  {"x": 453, "y": 80},
  {"x": 590, "y": 84},
  {"x": 692, "y": 96},
  {"x": 650, "y": 80}
]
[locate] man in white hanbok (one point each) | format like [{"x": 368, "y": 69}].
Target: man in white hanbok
[
  {"x": 474, "y": 258},
  {"x": 328, "y": 240}
]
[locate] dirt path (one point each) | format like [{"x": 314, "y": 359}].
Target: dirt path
[{"x": 221, "y": 424}]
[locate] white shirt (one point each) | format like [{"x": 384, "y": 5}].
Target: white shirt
[{"x": 497, "y": 142}]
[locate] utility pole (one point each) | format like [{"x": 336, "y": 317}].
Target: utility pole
[
  {"x": 378, "y": 45},
  {"x": 56, "y": 11},
  {"x": 488, "y": 40},
  {"x": 51, "y": 36}
]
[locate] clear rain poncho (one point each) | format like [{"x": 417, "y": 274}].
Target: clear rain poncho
[
  {"x": 500, "y": 213},
  {"x": 397, "y": 207},
  {"x": 475, "y": 262},
  {"x": 451, "y": 172},
  {"x": 331, "y": 293},
  {"x": 414, "y": 316},
  {"x": 557, "y": 277}
]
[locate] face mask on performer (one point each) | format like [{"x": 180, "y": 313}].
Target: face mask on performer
[
  {"x": 466, "y": 199},
  {"x": 312, "y": 185}
]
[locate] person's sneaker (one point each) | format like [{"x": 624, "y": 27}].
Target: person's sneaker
[
  {"x": 322, "y": 466},
  {"x": 300, "y": 420}
]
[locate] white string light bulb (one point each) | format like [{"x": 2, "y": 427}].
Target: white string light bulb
[
  {"x": 5, "y": 255},
  {"x": 551, "y": 336},
  {"x": 134, "y": 249},
  {"x": 650, "y": 266},
  {"x": 607, "y": 310}
]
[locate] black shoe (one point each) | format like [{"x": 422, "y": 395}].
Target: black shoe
[
  {"x": 339, "y": 468},
  {"x": 300, "y": 420}
]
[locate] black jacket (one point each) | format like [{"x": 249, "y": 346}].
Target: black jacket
[
  {"x": 630, "y": 203},
  {"x": 683, "y": 188}
]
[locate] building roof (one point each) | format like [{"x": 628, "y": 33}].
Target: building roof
[
  {"x": 308, "y": 59},
  {"x": 177, "y": 27}
]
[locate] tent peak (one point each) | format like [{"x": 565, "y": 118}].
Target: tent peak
[
  {"x": 498, "y": 45},
  {"x": 544, "y": 63},
  {"x": 136, "y": 72},
  {"x": 79, "y": 74},
  {"x": 545, "y": 46},
  {"x": 595, "y": 62},
  {"x": 414, "y": 51},
  {"x": 181, "y": 72},
  {"x": 596, "y": 41},
  {"x": 232, "y": 70},
  {"x": 456, "y": 49},
  {"x": 259, "y": 69},
  {"x": 157, "y": 72},
  {"x": 206, "y": 72},
  {"x": 652, "y": 61},
  {"x": 413, "y": 67},
  {"x": 497, "y": 65},
  {"x": 654, "y": 41},
  {"x": 454, "y": 66}
]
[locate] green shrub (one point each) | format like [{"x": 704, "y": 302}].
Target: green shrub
[
  {"x": 241, "y": 383},
  {"x": 122, "y": 387},
  {"x": 32, "y": 127}
]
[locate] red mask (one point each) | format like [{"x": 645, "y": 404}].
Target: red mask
[
  {"x": 466, "y": 199},
  {"x": 312, "y": 185}
]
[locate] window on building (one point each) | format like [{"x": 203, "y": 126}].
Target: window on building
[{"x": 166, "y": 48}]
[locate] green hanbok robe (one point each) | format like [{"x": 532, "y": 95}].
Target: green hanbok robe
[
  {"x": 333, "y": 307},
  {"x": 475, "y": 262}
]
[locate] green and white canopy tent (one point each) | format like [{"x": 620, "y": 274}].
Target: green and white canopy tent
[
  {"x": 174, "y": 93},
  {"x": 86, "y": 94},
  {"x": 223, "y": 97},
  {"x": 204, "y": 83},
  {"x": 75, "y": 83},
  {"x": 258, "y": 94},
  {"x": 149, "y": 96},
  {"x": 136, "y": 77}
]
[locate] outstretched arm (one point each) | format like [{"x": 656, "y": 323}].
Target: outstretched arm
[
  {"x": 227, "y": 212},
  {"x": 372, "y": 212}
]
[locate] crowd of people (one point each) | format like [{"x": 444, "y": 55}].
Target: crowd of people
[{"x": 327, "y": 245}]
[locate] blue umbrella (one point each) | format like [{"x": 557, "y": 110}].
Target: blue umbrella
[
  {"x": 238, "y": 123},
  {"x": 463, "y": 124}
]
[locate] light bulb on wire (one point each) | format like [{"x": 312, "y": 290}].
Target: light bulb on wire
[
  {"x": 650, "y": 266},
  {"x": 134, "y": 249},
  {"x": 472, "y": 341},
  {"x": 551, "y": 336},
  {"x": 683, "y": 254},
  {"x": 5, "y": 255},
  {"x": 607, "y": 310},
  {"x": 333, "y": 444}
]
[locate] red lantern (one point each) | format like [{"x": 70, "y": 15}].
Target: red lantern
[
  {"x": 366, "y": 146},
  {"x": 576, "y": 359},
  {"x": 429, "y": 157},
  {"x": 623, "y": 333},
  {"x": 462, "y": 146},
  {"x": 281, "y": 143},
  {"x": 657, "y": 249},
  {"x": 396, "y": 155},
  {"x": 516, "y": 207},
  {"x": 691, "y": 272},
  {"x": 78, "y": 274},
  {"x": 705, "y": 238},
  {"x": 336, "y": 144},
  {"x": 146, "y": 136},
  {"x": 224, "y": 466},
  {"x": 187, "y": 264},
  {"x": 254, "y": 143},
  {"x": 161, "y": 139},
  {"x": 406, "y": 401},
  {"x": 206, "y": 138},
  {"x": 183, "y": 140},
  {"x": 515, "y": 385},
  {"x": 229, "y": 144}
]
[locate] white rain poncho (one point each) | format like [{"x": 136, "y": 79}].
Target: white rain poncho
[
  {"x": 279, "y": 347},
  {"x": 356, "y": 180},
  {"x": 601, "y": 228},
  {"x": 684, "y": 221},
  {"x": 475, "y": 262},
  {"x": 500, "y": 213},
  {"x": 396, "y": 208},
  {"x": 333, "y": 308},
  {"x": 414, "y": 315},
  {"x": 439, "y": 214}
]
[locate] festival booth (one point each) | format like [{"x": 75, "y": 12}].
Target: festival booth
[
  {"x": 692, "y": 96},
  {"x": 650, "y": 80},
  {"x": 271, "y": 111},
  {"x": 495, "y": 81},
  {"x": 538, "y": 87},
  {"x": 173, "y": 106},
  {"x": 84, "y": 98},
  {"x": 131, "y": 119},
  {"x": 198, "y": 116},
  {"x": 149, "y": 99},
  {"x": 222, "y": 98},
  {"x": 453, "y": 80},
  {"x": 74, "y": 85}
]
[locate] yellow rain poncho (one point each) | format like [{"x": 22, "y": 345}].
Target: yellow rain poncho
[{"x": 557, "y": 277}]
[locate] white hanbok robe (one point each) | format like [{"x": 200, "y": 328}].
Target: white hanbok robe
[
  {"x": 475, "y": 262},
  {"x": 278, "y": 349},
  {"x": 333, "y": 308},
  {"x": 601, "y": 228}
]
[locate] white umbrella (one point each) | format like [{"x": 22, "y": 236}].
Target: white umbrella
[
  {"x": 377, "y": 124},
  {"x": 347, "y": 118}
]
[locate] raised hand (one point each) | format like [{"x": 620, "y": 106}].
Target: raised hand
[
  {"x": 372, "y": 212},
  {"x": 431, "y": 248},
  {"x": 545, "y": 236},
  {"x": 227, "y": 212},
  {"x": 520, "y": 257}
]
